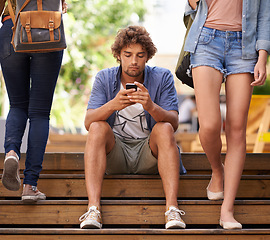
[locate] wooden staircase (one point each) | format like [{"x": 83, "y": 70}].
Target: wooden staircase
[{"x": 133, "y": 206}]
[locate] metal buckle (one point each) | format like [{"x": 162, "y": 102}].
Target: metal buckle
[
  {"x": 27, "y": 27},
  {"x": 51, "y": 25}
]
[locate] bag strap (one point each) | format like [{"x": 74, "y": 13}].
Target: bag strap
[
  {"x": 12, "y": 14},
  {"x": 2, "y": 6},
  {"x": 39, "y": 5},
  {"x": 187, "y": 22}
]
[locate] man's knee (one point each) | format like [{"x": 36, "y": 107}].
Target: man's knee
[
  {"x": 163, "y": 133},
  {"x": 99, "y": 129},
  {"x": 164, "y": 129}
]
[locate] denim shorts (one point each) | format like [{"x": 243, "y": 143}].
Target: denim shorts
[
  {"x": 131, "y": 157},
  {"x": 221, "y": 50}
]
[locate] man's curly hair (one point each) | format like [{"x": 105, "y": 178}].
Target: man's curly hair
[{"x": 133, "y": 35}]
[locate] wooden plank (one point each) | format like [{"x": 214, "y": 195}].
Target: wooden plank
[
  {"x": 66, "y": 142},
  {"x": 199, "y": 162},
  {"x": 135, "y": 231},
  {"x": 135, "y": 234},
  {"x": 140, "y": 186},
  {"x": 263, "y": 128},
  {"x": 128, "y": 212},
  {"x": 184, "y": 140},
  {"x": 195, "y": 145},
  {"x": 138, "y": 237},
  {"x": 192, "y": 161},
  {"x": 257, "y": 106}
]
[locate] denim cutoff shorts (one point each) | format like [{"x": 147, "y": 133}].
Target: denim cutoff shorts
[{"x": 221, "y": 50}]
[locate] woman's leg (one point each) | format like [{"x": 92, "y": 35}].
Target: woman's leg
[
  {"x": 238, "y": 95},
  {"x": 44, "y": 71},
  {"x": 15, "y": 67},
  {"x": 207, "y": 84}
]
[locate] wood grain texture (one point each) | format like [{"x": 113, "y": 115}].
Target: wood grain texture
[{"x": 129, "y": 212}]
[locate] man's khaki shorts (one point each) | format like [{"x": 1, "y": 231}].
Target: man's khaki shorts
[{"x": 131, "y": 157}]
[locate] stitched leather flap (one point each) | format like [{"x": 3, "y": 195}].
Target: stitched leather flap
[{"x": 41, "y": 19}]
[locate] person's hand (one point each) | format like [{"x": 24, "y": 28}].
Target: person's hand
[
  {"x": 64, "y": 6},
  {"x": 260, "y": 69},
  {"x": 122, "y": 99},
  {"x": 142, "y": 96}
]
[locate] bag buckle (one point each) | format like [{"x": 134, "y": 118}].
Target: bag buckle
[
  {"x": 51, "y": 25},
  {"x": 27, "y": 27}
]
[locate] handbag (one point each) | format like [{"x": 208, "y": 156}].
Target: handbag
[
  {"x": 38, "y": 26},
  {"x": 182, "y": 67},
  {"x": 2, "y": 6}
]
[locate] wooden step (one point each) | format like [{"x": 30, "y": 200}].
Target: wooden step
[
  {"x": 128, "y": 212},
  {"x": 140, "y": 186},
  {"x": 133, "y": 234},
  {"x": 256, "y": 163}
]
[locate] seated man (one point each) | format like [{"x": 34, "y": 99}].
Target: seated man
[{"x": 132, "y": 131}]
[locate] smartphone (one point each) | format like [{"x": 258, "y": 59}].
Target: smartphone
[{"x": 131, "y": 85}]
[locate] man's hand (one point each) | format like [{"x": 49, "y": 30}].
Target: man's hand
[
  {"x": 122, "y": 99},
  {"x": 158, "y": 113},
  {"x": 141, "y": 96}
]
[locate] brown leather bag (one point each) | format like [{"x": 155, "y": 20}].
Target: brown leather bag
[
  {"x": 2, "y": 6},
  {"x": 38, "y": 26}
]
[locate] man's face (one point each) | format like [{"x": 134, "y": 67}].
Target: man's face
[{"x": 133, "y": 59}]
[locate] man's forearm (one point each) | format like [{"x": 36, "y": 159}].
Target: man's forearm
[
  {"x": 161, "y": 115},
  {"x": 99, "y": 114}
]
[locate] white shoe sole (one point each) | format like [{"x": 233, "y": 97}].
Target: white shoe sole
[
  {"x": 11, "y": 178},
  {"x": 30, "y": 199},
  {"x": 175, "y": 224},
  {"x": 90, "y": 224}
]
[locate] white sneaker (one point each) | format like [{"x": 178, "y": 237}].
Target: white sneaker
[
  {"x": 11, "y": 173},
  {"x": 173, "y": 218},
  {"x": 91, "y": 219}
]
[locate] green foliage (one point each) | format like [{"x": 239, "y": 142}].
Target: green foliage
[
  {"x": 90, "y": 27},
  {"x": 264, "y": 89}
]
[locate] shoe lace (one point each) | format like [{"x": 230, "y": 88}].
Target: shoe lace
[
  {"x": 174, "y": 213},
  {"x": 92, "y": 213}
]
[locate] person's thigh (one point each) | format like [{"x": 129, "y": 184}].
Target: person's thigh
[
  {"x": 207, "y": 84},
  {"x": 131, "y": 158},
  {"x": 207, "y": 71},
  {"x": 239, "y": 77},
  {"x": 116, "y": 161},
  {"x": 44, "y": 73},
  {"x": 15, "y": 68},
  {"x": 238, "y": 95},
  {"x": 147, "y": 163}
]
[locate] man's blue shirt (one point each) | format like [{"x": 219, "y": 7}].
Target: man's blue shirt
[{"x": 158, "y": 81}]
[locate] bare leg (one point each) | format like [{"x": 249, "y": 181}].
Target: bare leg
[
  {"x": 238, "y": 95},
  {"x": 164, "y": 148},
  {"x": 100, "y": 142},
  {"x": 207, "y": 82}
]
